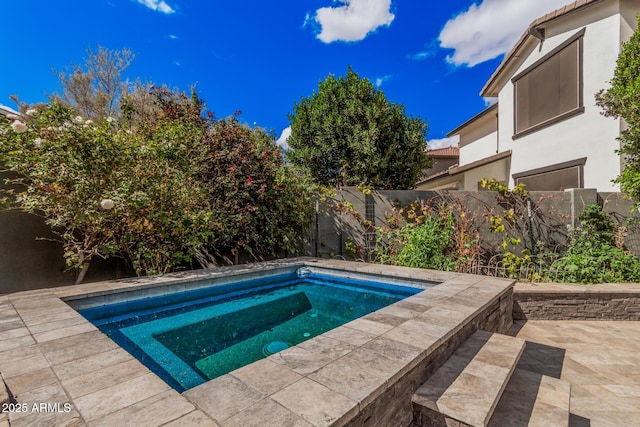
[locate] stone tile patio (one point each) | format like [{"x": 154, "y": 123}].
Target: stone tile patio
[{"x": 601, "y": 360}]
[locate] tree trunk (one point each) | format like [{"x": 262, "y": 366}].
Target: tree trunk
[{"x": 83, "y": 272}]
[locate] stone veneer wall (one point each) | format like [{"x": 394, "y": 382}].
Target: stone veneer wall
[
  {"x": 554, "y": 301},
  {"x": 394, "y": 407}
]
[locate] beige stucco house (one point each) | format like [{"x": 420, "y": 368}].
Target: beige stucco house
[
  {"x": 437, "y": 177},
  {"x": 545, "y": 130}
]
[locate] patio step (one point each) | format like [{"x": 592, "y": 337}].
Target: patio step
[
  {"x": 532, "y": 399},
  {"x": 467, "y": 388}
]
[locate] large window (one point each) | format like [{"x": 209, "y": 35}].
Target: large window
[
  {"x": 551, "y": 89},
  {"x": 556, "y": 177}
]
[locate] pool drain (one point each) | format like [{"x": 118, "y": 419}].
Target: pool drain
[{"x": 273, "y": 347}]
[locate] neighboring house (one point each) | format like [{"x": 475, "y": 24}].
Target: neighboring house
[
  {"x": 545, "y": 130},
  {"x": 443, "y": 160},
  {"x": 5, "y": 111}
]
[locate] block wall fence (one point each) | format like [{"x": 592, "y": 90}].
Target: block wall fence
[
  {"x": 31, "y": 259},
  {"x": 559, "y": 210}
]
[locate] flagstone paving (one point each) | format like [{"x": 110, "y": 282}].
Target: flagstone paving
[{"x": 601, "y": 360}]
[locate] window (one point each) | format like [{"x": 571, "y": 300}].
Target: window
[
  {"x": 557, "y": 177},
  {"x": 551, "y": 89}
]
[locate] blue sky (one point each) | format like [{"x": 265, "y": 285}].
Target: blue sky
[{"x": 260, "y": 56}]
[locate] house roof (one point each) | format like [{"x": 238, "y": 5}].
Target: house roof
[
  {"x": 455, "y": 170},
  {"x": 535, "y": 30},
  {"x": 481, "y": 162},
  {"x": 444, "y": 153},
  {"x": 433, "y": 177},
  {"x": 5, "y": 111},
  {"x": 473, "y": 119}
]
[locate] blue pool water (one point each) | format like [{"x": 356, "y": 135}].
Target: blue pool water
[{"x": 190, "y": 337}]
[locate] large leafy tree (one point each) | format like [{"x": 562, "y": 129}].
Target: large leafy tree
[
  {"x": 348, "y": 133},
  {"x": 622, "y": 100}
]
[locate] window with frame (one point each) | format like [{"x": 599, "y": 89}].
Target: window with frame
[
  {"x": 551, "y": 89},
  {"x": 556, "y": 177}
]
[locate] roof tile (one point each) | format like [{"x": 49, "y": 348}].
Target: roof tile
[{"x": 444, "y": 152}]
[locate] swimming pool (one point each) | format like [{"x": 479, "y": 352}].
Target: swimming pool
[{"x": 188, "y": 337}]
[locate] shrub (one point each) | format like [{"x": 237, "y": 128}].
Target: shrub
[
  {"x": 260, "y": 206},
  {"x": 592, "y": 256},
  {"x": 159, "y": 187},
  {"x": 104, "y": 190},
  {"x": 432, "y": 238},
  {"x": 426, "y": 245}
]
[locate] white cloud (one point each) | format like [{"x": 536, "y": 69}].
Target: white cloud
[
  {"x": 383, "y": 79},
  {"x": 173, "y": 37},
  {"x": 352, "y": 21},
  {"x": 420, "y": 56},
  {"x": 491, "y": 28},
  {"x": 177, "y": 63},
  {"x": 284, "y": 136},
  {"x": 429, "y": 50},
  {"x": 158, "y": 6},
  {"x": 443, "y": 142}
]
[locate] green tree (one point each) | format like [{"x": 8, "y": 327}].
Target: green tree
[
  {"x": 348, "y": 133},
  {"x": 622, "y": 100}
]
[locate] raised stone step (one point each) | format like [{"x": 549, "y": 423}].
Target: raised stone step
[
  {"x": 532, "y": 399},
  {"x": 467, "y": 388}
]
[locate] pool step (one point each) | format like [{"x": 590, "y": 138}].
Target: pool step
[
  {"x": 467, "y": 388},
  {"x": 532, "y": 399}
]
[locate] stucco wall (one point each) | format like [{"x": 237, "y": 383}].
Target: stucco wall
[
  {"x": 26, "y": 263},
  {"x": 29, "y": 259},
  {"x": 559, "y": 209},
  {"x": 588, "y": 134},
  {"x": 498, "y": 170},
  {"x": 628, "y": 22},
  {"x": 479, "y": 149}
]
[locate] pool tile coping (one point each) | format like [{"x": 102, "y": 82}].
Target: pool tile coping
[{"x": 48, "y": 360}]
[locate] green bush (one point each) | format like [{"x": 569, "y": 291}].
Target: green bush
[
  {"x": 159, "y": 187},
  {"x": 260, "y": 206},
  {"x": 592, "y": 256},
  {"x": 426, "y": 243}
]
